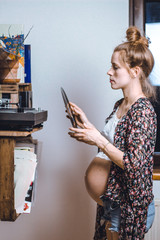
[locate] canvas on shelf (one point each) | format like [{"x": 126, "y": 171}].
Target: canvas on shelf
[{"x": 11, "y": 53}]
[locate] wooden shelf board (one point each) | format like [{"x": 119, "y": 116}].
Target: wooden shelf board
[{"x": 18, "y": 133}]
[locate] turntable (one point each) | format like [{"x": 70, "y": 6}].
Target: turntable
[{"x": 21, "y": 119}]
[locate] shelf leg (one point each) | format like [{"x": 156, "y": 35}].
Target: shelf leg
[{"x": 7, "y": 211}]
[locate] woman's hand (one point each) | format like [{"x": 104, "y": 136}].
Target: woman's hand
[
  {"x": 87, "y": 133},
  {"x": 79, "y": 115}
]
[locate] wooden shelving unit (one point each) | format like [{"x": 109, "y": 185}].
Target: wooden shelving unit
[{"x": 7, "y": 145}]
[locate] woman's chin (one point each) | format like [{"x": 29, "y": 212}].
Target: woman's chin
[{"x": 115, "y": 87}]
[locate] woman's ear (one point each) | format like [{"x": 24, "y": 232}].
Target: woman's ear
[{"x": 135, "y": 71}]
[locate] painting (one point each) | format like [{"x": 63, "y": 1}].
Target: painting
[{"x": 11, "y": 53}]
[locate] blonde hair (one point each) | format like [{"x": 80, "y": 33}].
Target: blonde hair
[{"x": 135, "y": 52}]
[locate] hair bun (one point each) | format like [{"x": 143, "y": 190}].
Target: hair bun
[{"x": 134, "y": 36}]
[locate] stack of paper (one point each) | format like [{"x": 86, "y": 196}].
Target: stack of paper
[{"x": 25, "y": 161}]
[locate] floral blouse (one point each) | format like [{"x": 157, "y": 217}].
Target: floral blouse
[{"x": 135, "y": 135}]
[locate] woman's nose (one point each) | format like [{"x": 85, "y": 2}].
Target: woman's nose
[{"x": 109, "y": 72}]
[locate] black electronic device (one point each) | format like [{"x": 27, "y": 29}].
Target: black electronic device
[
  {"x": 21, "y": 119},
  {"x": 67, "y": 106}
]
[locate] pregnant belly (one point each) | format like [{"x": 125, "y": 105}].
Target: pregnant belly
[{"x": 96, "y": 177}]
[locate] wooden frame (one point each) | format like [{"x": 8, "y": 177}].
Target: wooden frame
[
  {"x": 137, "y": 14},
  {"x": 137, "y": 18}
]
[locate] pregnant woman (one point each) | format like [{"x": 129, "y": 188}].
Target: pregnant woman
[{"x": 119, "y": 178}]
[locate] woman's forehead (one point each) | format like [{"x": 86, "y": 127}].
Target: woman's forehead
[
  {"x": 118, "y": 59},
  {"x": 115, "y": 57}
]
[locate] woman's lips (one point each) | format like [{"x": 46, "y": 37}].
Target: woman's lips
[{"x": 111, "y": 81}]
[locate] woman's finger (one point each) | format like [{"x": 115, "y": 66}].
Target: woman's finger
[
  {"x": 76, "y": 130},
  {"x": 75, "y": 108}
]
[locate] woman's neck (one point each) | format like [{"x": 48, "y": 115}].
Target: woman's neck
[{"x": 132, "y": 95}]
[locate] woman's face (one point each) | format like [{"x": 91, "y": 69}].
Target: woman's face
[{"x": 119, "y": 75}]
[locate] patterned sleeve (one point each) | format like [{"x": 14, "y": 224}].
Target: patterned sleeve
[{"x": 138, "y": 161}]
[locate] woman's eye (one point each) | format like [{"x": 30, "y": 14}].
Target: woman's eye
[{"x": 115, "y": 67}]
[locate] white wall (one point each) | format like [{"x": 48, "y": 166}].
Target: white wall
[{"x": 72, "y": 43}]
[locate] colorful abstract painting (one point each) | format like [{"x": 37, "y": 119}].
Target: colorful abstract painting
[{"x": 11, "y": 53}]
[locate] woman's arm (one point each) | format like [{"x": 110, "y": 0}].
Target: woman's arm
[
  {"x": 114, "y": 154},
  {"x": 87, "y": 133}
]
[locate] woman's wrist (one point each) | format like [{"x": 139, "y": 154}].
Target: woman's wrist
[{"x": 102, "y": 143}]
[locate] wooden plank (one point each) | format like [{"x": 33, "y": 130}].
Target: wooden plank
[
  {"x": 18, "y": 133},
  {"x": 137, "y": 14},
  {"x": 131, "y": 12},
  {"x": 14, "y": 99},
  {"x": 156, "y": 158},
  {"x": 10, "y": 92},
  {"x": 156, "y": 174},
  {"x": 156, "y": 167},
  {"x": 8, "y": 85},
  {"x": 23, "y": 87},
  {"x": 7, "y": 211},
  {"x": 8, "y": 88},
  {"x": 10, "y": 80}
]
